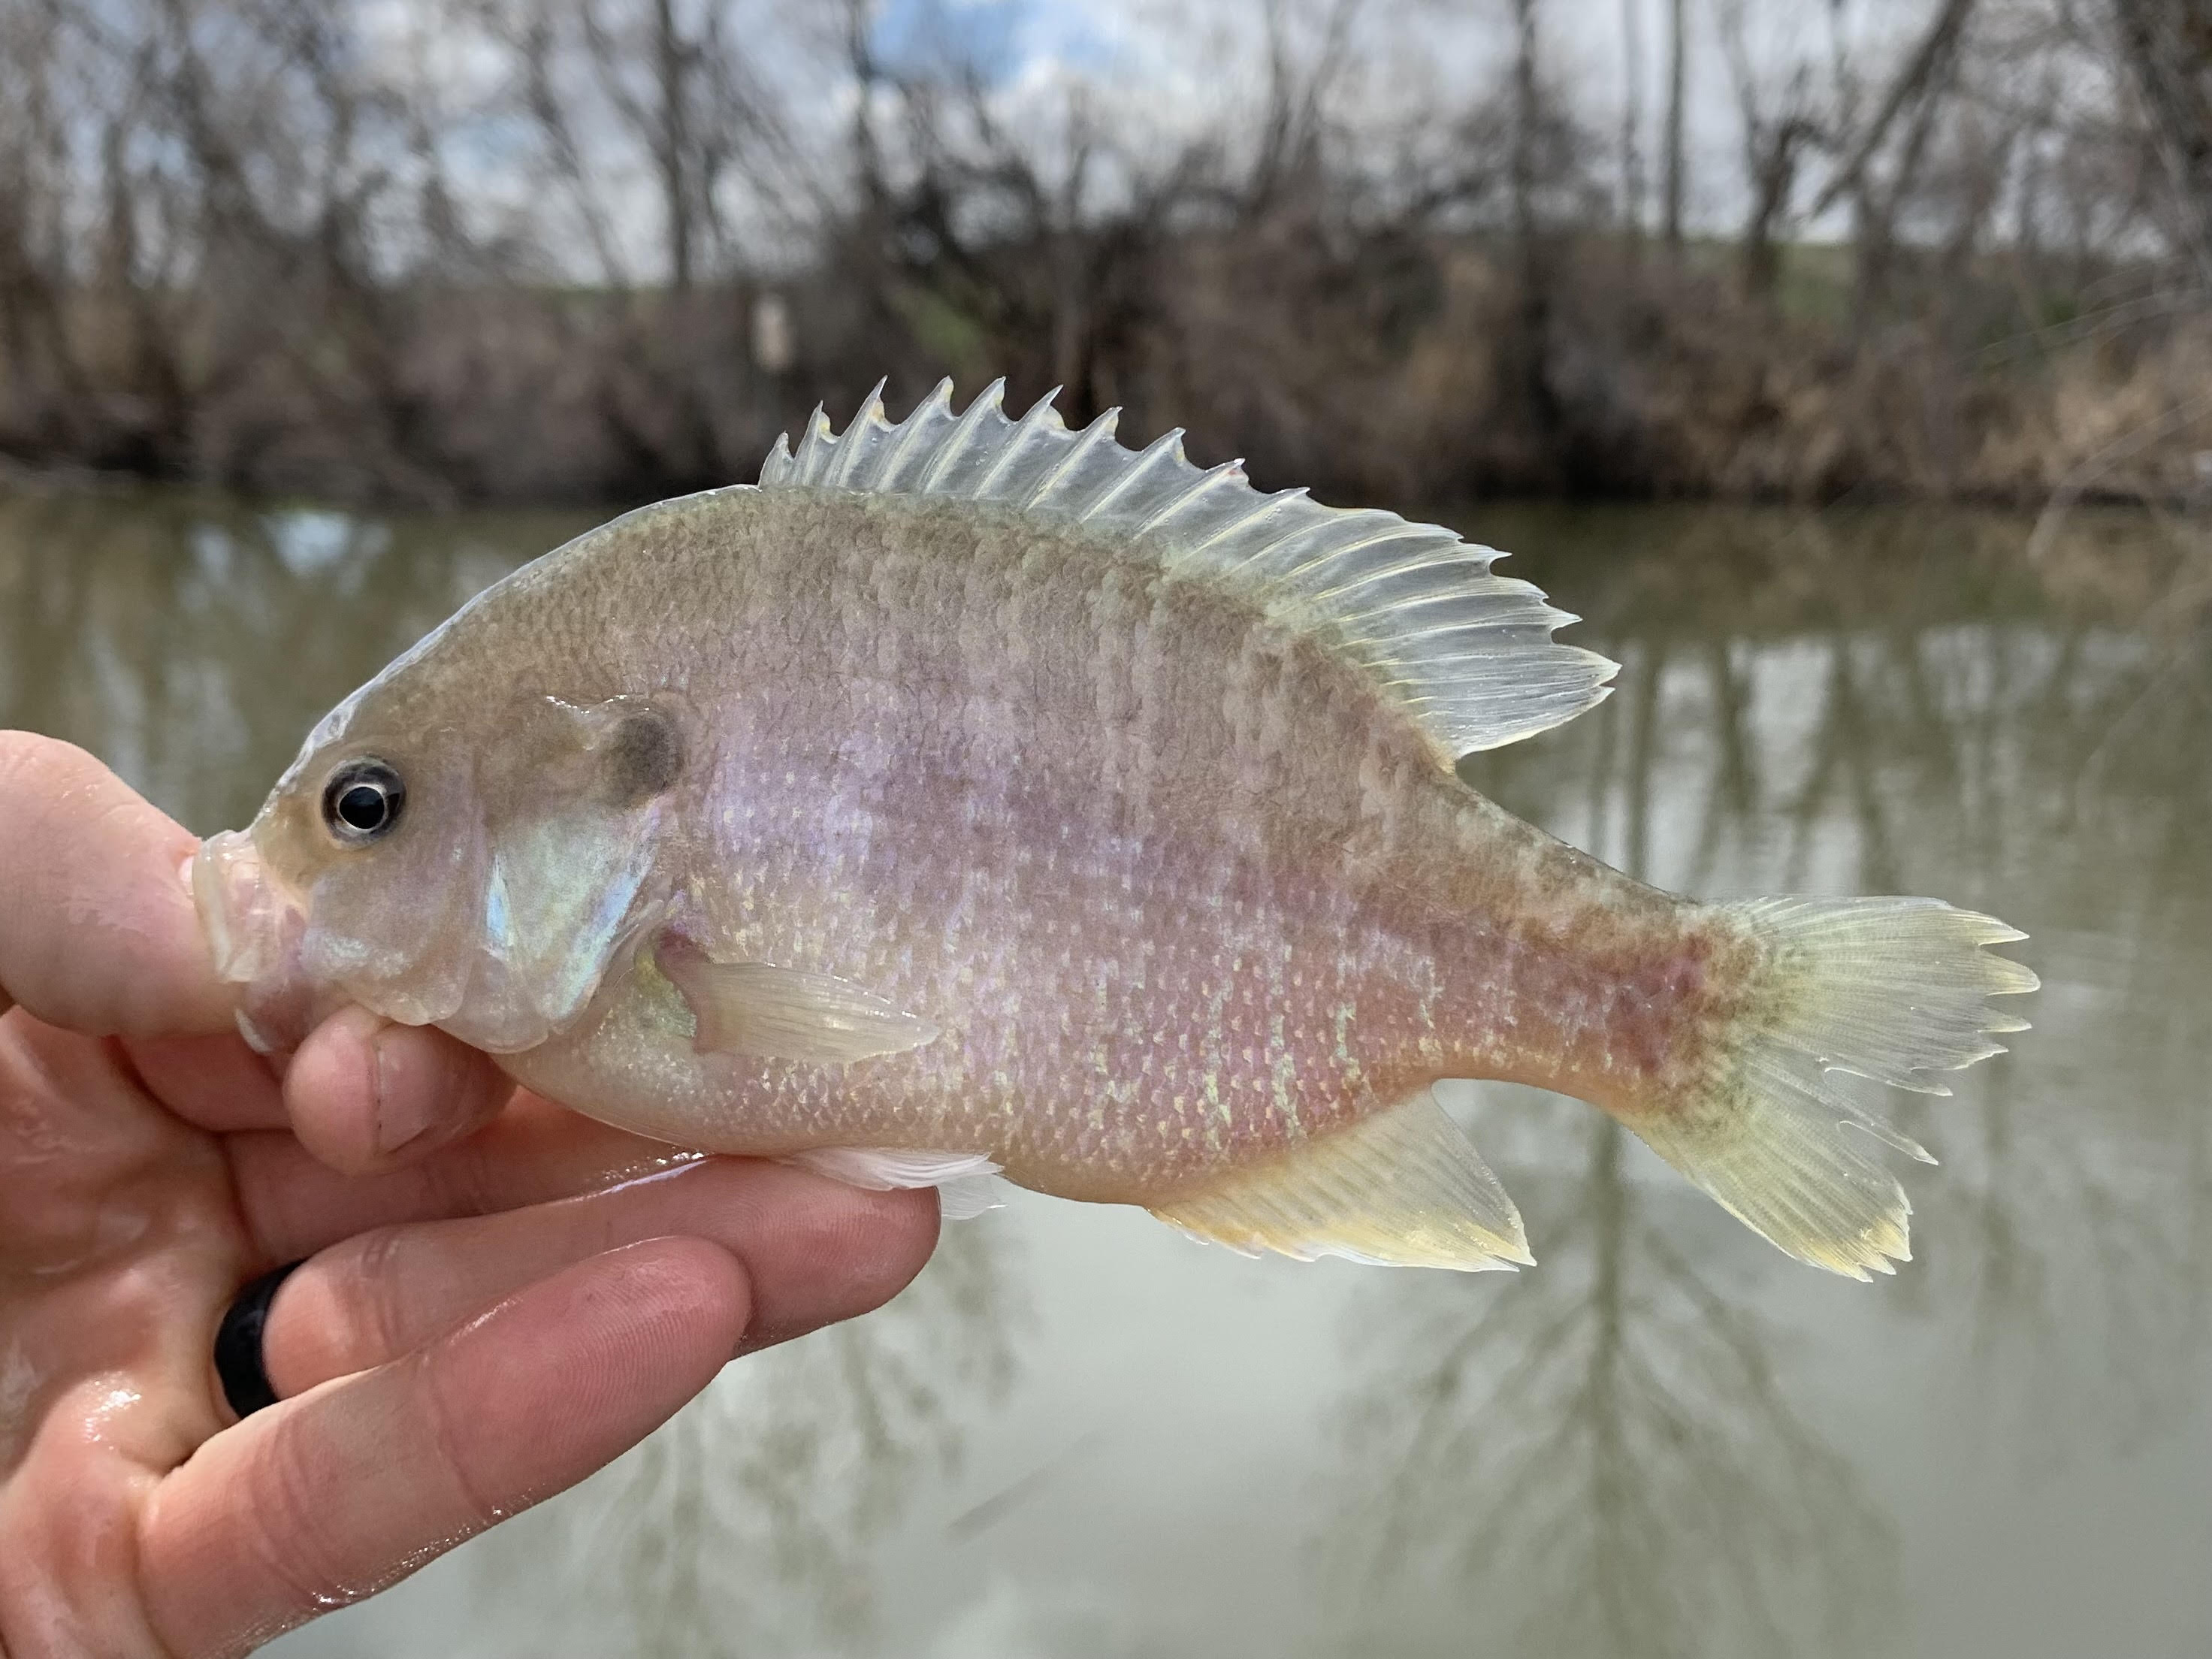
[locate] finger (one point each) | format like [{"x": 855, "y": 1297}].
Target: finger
[
  {"x": 814, "y": 1251},
  {"x": 366, "y": 1095},
  {"x": 294, "y": 1204},
  {"x": 215, "y": 1082},
  {"x": 326, "y": 1498},
  {"x": 99, "y": 935}
]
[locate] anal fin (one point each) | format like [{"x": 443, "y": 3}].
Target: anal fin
[
  {"x": 965, "y": 1181},
  {"x": 1403, "y": 1188}
]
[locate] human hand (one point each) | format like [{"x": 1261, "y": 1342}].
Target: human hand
[{"x": 499, "y": 1296}]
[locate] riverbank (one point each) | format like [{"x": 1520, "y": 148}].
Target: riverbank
[{"x": 1375, "y": 374}]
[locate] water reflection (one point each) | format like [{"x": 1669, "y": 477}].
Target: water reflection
[
  {"x": 1601, "y": 1457},
  {"x": 1668, "y": 1439},
  {"x": 744, "y": 1526},
  {"x": 192, "y": 641}
]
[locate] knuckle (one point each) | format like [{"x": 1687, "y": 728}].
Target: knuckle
[
  {"x": 351, "y": 1318},
  {"x": 446, "y": 1423},
  {"x": 380, "y": 1298},
  {"x": 290, "y": 1534}
]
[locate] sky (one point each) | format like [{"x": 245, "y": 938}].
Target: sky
[
  {"x": 1175, "y": 58},
  {"x": 1165, "y": 70}
]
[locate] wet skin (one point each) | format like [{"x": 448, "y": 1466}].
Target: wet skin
[{"x": 499, "y": 1296}]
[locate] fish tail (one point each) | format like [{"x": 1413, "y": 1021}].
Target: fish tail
[{"x": 1889, "y": 988}]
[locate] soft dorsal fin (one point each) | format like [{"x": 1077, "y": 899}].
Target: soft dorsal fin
[{"x": 1468, "y": 654}]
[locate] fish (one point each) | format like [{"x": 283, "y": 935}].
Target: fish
[{"x": 977, "y": 796}]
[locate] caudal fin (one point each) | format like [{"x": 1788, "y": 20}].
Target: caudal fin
[{"x": 1890, "y": 988}]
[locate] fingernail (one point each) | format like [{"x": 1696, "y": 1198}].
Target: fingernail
[{"x": 402, "y": 1114}]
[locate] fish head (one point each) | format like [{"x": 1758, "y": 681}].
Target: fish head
[{"x": 478, "y": 864}]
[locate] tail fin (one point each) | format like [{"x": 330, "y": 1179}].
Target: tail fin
[{"x": 1890, "y": 988}]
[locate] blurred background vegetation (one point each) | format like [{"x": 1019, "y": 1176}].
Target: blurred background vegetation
[{"x": 442, "y": 251}]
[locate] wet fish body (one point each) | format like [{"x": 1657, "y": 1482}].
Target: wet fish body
[{"x": 978, "y": 792}]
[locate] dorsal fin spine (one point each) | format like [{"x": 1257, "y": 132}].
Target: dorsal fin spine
[
  {"x": 1100, "y": 430},
  {"x": 864, "y": 424},
  {"x": 1275, "y": 551},
  {"x": 940, "y": 396},
  {"x": 1341, "y": 553},
  {"x": 1467, "y": 654},
  {"x": 962, "y": 432},
  {"x": 812, "y": 442},
  {"x": 1411, "y": 567},
  {"x": 1040, "y": 414},
  {"x": 1231, "y": 471},
  {"x": 1168, "y": 443},
  {"x": 1260, "y": 509}
]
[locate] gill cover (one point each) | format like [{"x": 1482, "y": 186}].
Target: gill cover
[{"x": 521, "y": 871}]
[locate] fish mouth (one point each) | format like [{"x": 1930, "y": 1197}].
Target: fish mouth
[
  {"x": 254, "y": 926},
  {"x": 261, "y": 932}
]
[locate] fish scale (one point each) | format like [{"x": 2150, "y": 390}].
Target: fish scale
[
  {"x": 1065, "y": 927},
  {"x": 976, "y": 791}
]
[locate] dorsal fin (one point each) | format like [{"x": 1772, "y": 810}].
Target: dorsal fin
[{"x": 1468, "y": 654}]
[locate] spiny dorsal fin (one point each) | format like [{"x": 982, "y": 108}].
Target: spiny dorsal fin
[{"x": 1468, "y": 654}]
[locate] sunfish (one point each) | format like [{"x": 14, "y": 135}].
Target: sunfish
[{"x": 973, "y": 793}]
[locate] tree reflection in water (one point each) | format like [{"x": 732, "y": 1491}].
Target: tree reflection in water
[
  {"x": 1605, "y": 1457},
  {"x": 744, "y": 1526},
  {"x": 192, "y": 641}
]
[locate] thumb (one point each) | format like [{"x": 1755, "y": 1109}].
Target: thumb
[{"x": 99, "y": 935}]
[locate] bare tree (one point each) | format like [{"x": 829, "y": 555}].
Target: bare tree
[
  {"x": 2167, "y": 47},
  {"x": 1914, "y": 99},
  {"x": 1776, "y": 136},
  {"x": 1529, "y": 351},
  {"x": 1678, "y": 58},
  {"x": 1631, "y": 119},
  {"x": 444, "y": 249}
]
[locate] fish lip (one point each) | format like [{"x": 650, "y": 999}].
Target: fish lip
[
  {"x": 249, "y": 921},
  {"x": 254, "y": 926}
]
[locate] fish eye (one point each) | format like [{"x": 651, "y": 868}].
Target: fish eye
[{"x": 363, "y": 801}]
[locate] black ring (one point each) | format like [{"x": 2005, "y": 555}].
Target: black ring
[{"x": 238, "y": 1357}]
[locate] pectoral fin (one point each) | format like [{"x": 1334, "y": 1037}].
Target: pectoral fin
[
  {"x": 785, "y": 1013},
  {"x": 1402, "y": 1188}
]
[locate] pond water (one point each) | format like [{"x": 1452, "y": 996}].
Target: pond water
[{"x": 1078, "y": 1434}]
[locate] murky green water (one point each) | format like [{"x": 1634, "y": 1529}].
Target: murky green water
[{"x": 1080, "y": 1435}]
